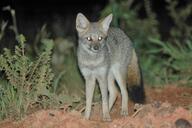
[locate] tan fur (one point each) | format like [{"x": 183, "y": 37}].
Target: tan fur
[{"x": 134, "y": 76}]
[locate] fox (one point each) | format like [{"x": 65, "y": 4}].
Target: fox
[{"x": 106, "y": 56}]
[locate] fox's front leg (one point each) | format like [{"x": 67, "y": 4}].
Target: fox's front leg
[
  {"x": 105, "y": 99},
  {"x": 90, "y": 86}
]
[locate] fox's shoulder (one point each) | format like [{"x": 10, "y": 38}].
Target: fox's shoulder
[
  {"x": 118, "y": 35},
  {"x": 116, "y": 32}
]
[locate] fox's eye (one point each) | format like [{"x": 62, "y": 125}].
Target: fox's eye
[
  {"x": 89, "y": 38},
  {"x": 100, "y": 38}
]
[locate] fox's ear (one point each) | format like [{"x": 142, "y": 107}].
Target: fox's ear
[
  {"x": 82, "y": 23},
  {"x": 105, "y": 23}
]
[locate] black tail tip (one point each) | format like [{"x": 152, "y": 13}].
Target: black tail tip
[{"x": 137, "y": 94}]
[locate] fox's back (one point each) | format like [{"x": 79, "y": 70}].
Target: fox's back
[{"x": 119, "y": 46}]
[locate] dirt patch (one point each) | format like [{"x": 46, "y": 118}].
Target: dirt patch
[
  {"x": 165, "y": 108},
  {"x": 153, "y": 116},
  {"x": 177, "y": 96}
]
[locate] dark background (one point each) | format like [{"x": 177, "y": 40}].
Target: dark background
[
  {"x": 59, "y": 15},
  {"x": 32, "y": 14}
]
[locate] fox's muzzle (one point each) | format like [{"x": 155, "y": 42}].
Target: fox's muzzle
[{"x": 95, "y": 47}]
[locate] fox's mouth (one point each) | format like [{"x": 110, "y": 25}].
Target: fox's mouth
[
  {"x": 95, "y": 51},
  {"x": 94, "y": 48}
]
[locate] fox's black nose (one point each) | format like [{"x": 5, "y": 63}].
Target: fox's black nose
[{"x": 96, "y": 47}]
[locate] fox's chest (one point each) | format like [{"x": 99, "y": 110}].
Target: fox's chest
[{"x": 91, "y": 62}]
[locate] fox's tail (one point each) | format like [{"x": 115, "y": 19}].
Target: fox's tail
[{"x": 135, "y": 80}]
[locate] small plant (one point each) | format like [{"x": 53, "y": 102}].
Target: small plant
[
  {"x": 28, "y": 79},
  {"x": 27, "y": 83},
  {"x": 175, "y": 61}
]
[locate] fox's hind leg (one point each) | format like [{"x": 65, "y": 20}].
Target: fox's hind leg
[
  {"x": 113, "y": 92},
  {"x": 120, "y": 76}
]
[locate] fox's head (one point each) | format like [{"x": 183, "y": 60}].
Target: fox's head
[{"x": 92, "y": 35}]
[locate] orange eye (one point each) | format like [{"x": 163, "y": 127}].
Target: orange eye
[
  {"x": 100, "y": 38},
  {"x": 89, "y": 38}
]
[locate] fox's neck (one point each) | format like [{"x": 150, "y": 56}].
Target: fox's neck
[{"x": 88, "y": 59}]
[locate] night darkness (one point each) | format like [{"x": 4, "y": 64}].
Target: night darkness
[{"x": 32, "y": 14}]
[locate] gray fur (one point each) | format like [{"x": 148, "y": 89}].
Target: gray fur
[{"x": 106, "y": 65}]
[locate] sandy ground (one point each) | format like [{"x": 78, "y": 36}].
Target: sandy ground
[{"x": 165, "y": 108}]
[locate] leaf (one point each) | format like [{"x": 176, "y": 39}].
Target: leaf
[{"x": 21, "y": 39}]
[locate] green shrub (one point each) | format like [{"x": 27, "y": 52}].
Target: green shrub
[
  {"x": 28, "y": 80},
  {"x": 175, "y": 61}
]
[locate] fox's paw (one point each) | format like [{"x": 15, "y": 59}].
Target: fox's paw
[
  {"x": 107, "y": 118},
  {"x": 87, "y": 116},
  {"x": 124, "y": 112}
]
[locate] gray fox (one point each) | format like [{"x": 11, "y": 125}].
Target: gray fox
[{"x": 105, "y": 54}]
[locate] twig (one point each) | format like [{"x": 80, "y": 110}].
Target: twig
[
  {"x": 81, "y": 110},
  {"x": 137, "y": 112},
  {"x": 13, "y": 15}
]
